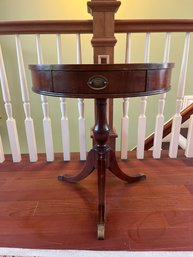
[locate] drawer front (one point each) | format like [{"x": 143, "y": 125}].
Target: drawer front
[{"x": 99, "y": 83}]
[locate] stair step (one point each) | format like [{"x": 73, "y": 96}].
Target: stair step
[
  {"x": 165, "y": 145},
  {"x": 184, "y": 132}
]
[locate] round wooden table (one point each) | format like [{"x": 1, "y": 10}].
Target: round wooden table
[{"x": 101, "y": 81}]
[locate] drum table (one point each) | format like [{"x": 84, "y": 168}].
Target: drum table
[{"x": 101, "y": 81}]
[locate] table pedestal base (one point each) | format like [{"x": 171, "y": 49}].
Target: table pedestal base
[{"x": 101, "y": 157}]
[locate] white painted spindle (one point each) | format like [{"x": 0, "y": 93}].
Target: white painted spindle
[
  {"x": 128, "y": 48},
  {"x": 177, "y": 119},
  {"x": 10, "y": 122},
  {"x": 157, "y": 145},
  {"x": 189, "y": 145},
  {"x": 59, "y": 48},
  {"x": 45, "y": 108},
  {"x": 29, "y": 125},
  {"x": 2, "y": 156},
  {"x": 125, "y": 118},
  {"x": 63, "y": 107},
  {"x": 81, "y": 119},
  {"x": 82, "y": 130},
  {"x": 143, "y": 104},
  {"x": 124, "y": 129},
  {"x": 78, "y": 49}
]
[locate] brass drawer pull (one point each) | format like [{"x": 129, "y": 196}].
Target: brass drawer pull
[{"x": 97, "y": 82}]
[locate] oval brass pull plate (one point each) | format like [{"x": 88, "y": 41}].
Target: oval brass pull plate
[{"x": 97, "y": 82}]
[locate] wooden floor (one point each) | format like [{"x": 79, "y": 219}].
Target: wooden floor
[{"x": 38, "y": 211}]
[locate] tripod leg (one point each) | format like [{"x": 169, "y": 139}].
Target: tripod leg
[
  {"x": 101, "y": 167},
  {"x": 114, "y": 168},
  {"x": 86, "y": 171}
]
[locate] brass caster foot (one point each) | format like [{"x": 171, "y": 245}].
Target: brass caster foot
[
  {"x": 61, "y": 177},
  {"x": 101, "y": 231},
  {"x": 141, "y": 176}
]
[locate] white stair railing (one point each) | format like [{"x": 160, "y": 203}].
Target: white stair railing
[
  {"x": 29, "y": 125},
  {"x": 176, "y": 139},
  {"x": 63, "y": 108},
  {"x": 125, "y": 118},
  {"x": 177, "y": 119},
  {"x": 10, "y": 122},
  {"x": 143, "y": 103},
  {"x": 45, "y": 108},
  {"x": 157, "y": 145},
  {"x": 81, "y": 119}
]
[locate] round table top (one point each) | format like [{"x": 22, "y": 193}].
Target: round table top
[{"x": 101, "y": 80}]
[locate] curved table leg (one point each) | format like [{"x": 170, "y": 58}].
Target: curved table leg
[
  {"x": 101, "y": 168},
  {"x": 86, "y": 171},
  {"x": 114, "y": 168}
]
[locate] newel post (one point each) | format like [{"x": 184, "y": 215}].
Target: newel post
[{"x": 103, "y": 42}]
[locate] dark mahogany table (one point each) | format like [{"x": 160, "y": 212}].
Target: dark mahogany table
[{"x": 101, "y": 82}]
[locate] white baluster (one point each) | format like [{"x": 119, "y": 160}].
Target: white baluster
[
  {"x": 29, "y": 125},
  {"x": 59, "y": 48},
  {"x": 161, "y": 104},
  {"x": 2, "y": 156},
  {"x": 128, "y": 48},
  {"x": 189, "y": 145},
  {"x": 141, "y": 128},
  {"x": 81, "y": 119},
  {"x": 124, "y": 129},
  {"x": 82, "y": 130},
  {"x": 63, "y": 107},
  {"x": 125, "y": 118},
  {"x": 147, "y": 48},
  {"x": 142, "y": 117},
  {"x": 78, "y": 49},
  {"x": 177, "y": 119},
  {"x": 10, "y": 122},
  {"x": 46, "y": 120}
]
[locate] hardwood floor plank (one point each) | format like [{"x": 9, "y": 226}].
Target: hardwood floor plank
[
  {"x": 161, "y": 239},
  {"x": 167, "y": 190},
  {"x": 189, "y": 187},
  {"x": 179, "y": 219},
  {"x": 17, "y": 208}
]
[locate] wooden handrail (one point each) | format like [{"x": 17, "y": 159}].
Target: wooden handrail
[
  {"x": 154, "y": 25},
  {"x": 46, "y": 27},
  {"x": 86, "y": 26},
  {"x": 186, "y": 113}
]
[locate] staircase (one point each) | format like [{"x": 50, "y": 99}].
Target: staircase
[{"x": 185, "y": 114}]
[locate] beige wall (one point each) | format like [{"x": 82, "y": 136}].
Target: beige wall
[
  {"x": 76, "y": 9},
  {"x": 43, "y": 9},
  {"x": 63, "y": 9}
]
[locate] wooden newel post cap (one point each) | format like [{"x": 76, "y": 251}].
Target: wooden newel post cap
[{"x": 103, "y": 6}]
